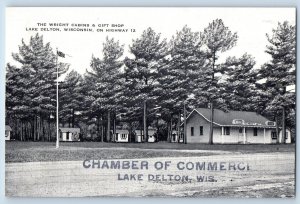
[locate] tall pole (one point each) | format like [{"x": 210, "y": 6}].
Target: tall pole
[
  {"x": 184, "y": 127},
  {"x": 57, "y": 122}
]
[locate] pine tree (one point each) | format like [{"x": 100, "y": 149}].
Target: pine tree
[
  {"x": 179, "y": 74},
  {"x": 280, "y": 72},
  {"x": 238, "y": 88},
  {"x": 217, "y": 38},
  {"x": 35, "y": 82},
  {"x": 141, "y": 74},
  {"x": 72, "y": 98},
  {"x": 106, "y": 74}
]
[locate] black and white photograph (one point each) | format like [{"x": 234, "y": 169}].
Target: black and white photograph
[{"x": 150, "y": 102}]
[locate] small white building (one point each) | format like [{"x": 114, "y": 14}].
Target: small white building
[
  {"x": 69, "y": 134},
  {"x": 231, "y": 127},
  {"x": 7, "y": 132},
  {"x": 175, "y": 137},
  {"x": 139, "y": 135},
  {"x": 122, "y": 135}
]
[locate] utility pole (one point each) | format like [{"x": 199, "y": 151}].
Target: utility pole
[
  {"x": 57, "y": 122},
  {"x": 185, "y": 130}
]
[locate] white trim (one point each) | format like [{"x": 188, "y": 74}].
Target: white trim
[{"x": 202, "y": 116}]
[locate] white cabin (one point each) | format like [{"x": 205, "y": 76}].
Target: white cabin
[
  {"x": 7, "y": 132},
  {"x": 69, "y": 134}
]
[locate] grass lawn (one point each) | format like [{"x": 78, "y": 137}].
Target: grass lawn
[{"x": 16, "y": 151}]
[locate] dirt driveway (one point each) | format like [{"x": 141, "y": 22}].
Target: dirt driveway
[{"x": 269, "y": 175}]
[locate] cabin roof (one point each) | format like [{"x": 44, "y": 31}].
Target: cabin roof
[
  {"x": 223, "y": 118},
  {"x": 121, "y": 131},
  {"x": 7, "y": 127},
  {"x": 72, "y": 130}
]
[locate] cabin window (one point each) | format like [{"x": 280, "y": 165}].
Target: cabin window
[
  {"x": 117, "y": 136},
  {"x": 192, "y": 131},
  {"x": 241, "y": 130},
  {"x": 273, "y": 135},
  {"x": 67, "y": 137},
  {"x": 123, "y": 136},
  {"x": 201, "y": 130},
  {"x": 227, "y": 130},
  {"x": 254, "y": 131},
  {"x": 6, "y": 133}
]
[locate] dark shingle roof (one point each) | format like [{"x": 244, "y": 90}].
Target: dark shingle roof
[
  {"x": 72, "y": 130},
  {"x": 226, "y": 118}
]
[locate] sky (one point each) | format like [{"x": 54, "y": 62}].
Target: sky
[{"x": 251, "y": 25}]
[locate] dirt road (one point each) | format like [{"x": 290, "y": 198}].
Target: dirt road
[{"x": 269, "y": 175}]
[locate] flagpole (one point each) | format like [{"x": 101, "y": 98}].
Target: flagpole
[{"x": 57, "y": 122}]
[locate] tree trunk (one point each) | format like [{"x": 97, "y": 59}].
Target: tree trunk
[
  {"x": 178, "y": 126},
  {"x": 21, "y": 135},
  {"x": 73, "y": 118},
  {"x": 130, "y": 133},
  {"x": 102, "y": 129},
  {"x": 210, "y": 139},
  {"x": 108, "y": 127},
  {"x": 49, "y": 128},
  {"x": 114, "y": 135},
  {"x": 38, "y": 127},
  {"x": 34, "y": 128},
  {"x": 211, "y": 131},
  {"x": 171, "y": 129},
  {"x": 145, "y": 122},
  {"x": 283, "y": 126},
  {"x": 277, "y": 129},
  {"x": 141, "y": 131},
  {"x": 98, "y": 128}
]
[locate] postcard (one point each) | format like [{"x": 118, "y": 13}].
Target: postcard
[{"x": 150, "y": 102}]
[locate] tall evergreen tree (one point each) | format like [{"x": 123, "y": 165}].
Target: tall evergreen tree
[
  {"x": 72, "y": 98},
  {"x": 280, "y": 72},
  {"x": 217, "y": 38},
  {"x": 106, "y": 73},
  {"x": 238, "y": 88},
  {"x": 141, "y": 73},
  {"x": 179, "y": 74},
  {"x": 34, "y": 82}
]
